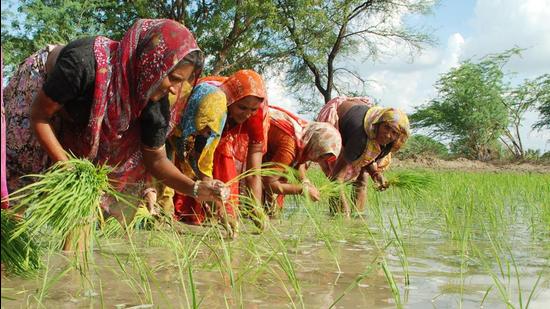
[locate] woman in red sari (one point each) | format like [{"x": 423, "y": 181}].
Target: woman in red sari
[
  {"x": 106, "y": 101},
  {"x": 242, "y": 143}
]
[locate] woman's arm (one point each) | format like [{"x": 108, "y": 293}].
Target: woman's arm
[
  {"x": 254, "y": 160},
  {"x": 339, "y": 169},
  {"x": 274, "y": 185},
  {"x": 160, "y": 167},
  {"x": 42, "y": 110},
  {"x": 377, "y": 176}
]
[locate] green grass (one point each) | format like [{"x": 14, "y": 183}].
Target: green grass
[
  {"x": 20, "y": 254},
  {"x": 491, "y": 226}
]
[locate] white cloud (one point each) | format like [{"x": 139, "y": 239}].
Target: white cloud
[
  {"x": 278, "y": 94},
  {"x": 502, "y": 24}
]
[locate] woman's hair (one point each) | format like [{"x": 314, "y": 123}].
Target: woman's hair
[{"x": 196, "y": 58}]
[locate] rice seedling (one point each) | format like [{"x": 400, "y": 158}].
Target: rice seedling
[
  {"x": 412, "y": 181},
  {"x": 65, "y": 202},
  {"x": 439, "y": 241},
  {"x": 392, "y": 283},
  {"x": 20, "y": 254}
]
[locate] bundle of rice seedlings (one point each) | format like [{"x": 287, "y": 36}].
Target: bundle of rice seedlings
[
  {"x": 65, "y": 200},
  {"x": 21, "y": 254},
  {"x": 111, "y": 228},
  {"x": 143, "y": 219},
  {"x": 415, "y": 182}
]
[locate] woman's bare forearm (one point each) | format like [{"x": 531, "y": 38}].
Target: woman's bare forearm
[
  {"x": 164, "y": 170},
  {"x": 42, "y": 111},
  {"x": 254, "y": 161}
]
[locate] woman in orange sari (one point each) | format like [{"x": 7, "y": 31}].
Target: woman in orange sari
[
  {"x": 242, "y": 143},
  {"x": 294, "y": 142}
]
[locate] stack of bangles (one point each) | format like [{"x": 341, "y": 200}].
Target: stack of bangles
[
  {"x": 305, "y": 183},
  {"x": 196, "y": 188}
]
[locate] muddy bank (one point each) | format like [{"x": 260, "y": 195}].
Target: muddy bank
[{"x": 469, "y": 165}]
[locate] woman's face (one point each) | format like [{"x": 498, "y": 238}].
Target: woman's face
[
  {"x": 241, "y": 110},
  {"x": 173, "y": 81},
  {"x": 386, "y": 133}
]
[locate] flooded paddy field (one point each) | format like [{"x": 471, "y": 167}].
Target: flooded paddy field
[{"x": 471, "y": 240}]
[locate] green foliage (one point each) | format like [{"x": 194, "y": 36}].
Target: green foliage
[
  {"x": 415, "y": 182},
  {"x": 305, "y": 38},
  {"x": 233, "y": 33},
  {"x": 421, "y": 145},
  {"x": 48, "y": 22},
  {"x": 469, "y": 108},
  {"x": 64, "y": 199},
  {"x": 21, "y": 254},
  {"x": 543, "y": 103}
]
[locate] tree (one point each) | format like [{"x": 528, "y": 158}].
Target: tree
[
  {"x": 469, "y": 107},
  {"x": 316, "y": 35},
  {"x": 544, "y": 104},
  {"x": 306, "y": 38},
  {"x": 233, "y": 33},
  {"x": 46, "y": 22},
  {"x": 518, "y": 101}
]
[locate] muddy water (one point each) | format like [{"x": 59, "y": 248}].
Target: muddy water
[{"x": 434, "y": 267}]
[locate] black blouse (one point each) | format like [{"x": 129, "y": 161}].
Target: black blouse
[
  {"x": 72, "y": 82},
  {"x": 354, "y": 137}
]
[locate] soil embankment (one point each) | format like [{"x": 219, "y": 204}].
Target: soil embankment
[{"x": 469, "y": 165}]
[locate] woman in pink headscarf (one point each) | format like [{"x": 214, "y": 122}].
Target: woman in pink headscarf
[
  {"x": 295, "y": 142},
  {"x": 106, "y": 101}
]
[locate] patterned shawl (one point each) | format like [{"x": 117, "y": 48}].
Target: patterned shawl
[
  {"x": 127, "y": 73},
  {"x": 206, "y": 107}
]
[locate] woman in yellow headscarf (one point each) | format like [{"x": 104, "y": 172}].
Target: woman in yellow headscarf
[
  {"x": 370, "y": 134},
  {"x": 194, "y": 143}
]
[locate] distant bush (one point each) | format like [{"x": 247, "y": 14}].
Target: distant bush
[
  {"x": 535, "y": 156},
  {"x": 492, "y": 151},
  {"x": 421, "y": 145}
]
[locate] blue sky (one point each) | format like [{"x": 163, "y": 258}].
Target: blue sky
[{"x": 464, "y": 29}]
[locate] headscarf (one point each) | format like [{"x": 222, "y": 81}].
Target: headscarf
[
  {"x": 127, "y": 72},
  {"x": 313, "y": 139},
  {"x": 243, "y": 83},
  {"x": 329, "y": 112},
  {"x": 320, "y": 138},
  {"x": 376, "y": 115},
  {"x": 206, "y": 107},
  {"x": 237, "y": 86}
]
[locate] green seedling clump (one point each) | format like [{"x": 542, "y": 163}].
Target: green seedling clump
[{"x": 20, "y": 254}]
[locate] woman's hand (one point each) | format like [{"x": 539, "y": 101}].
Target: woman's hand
[
  {"x": 210, "y": 190},
  {"x": 229, "y": 222},
  {"x": 380, "y": 181},
  {"x": 311, "y": 191},
  {"x": 151, "y": 202}
]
